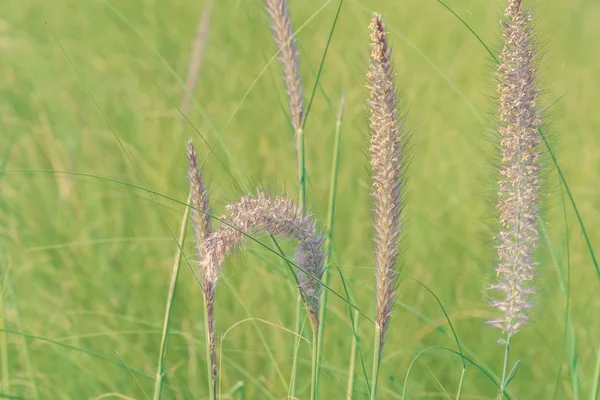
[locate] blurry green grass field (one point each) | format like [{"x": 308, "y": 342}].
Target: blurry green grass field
[{"x": 85, "y": 262}]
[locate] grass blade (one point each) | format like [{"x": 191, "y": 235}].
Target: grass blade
[{"x": 160, "y": 373}]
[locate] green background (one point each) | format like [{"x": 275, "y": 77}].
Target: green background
[{"x": 85, "y": 262}]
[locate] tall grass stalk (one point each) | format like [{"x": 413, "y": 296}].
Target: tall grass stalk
[
  {"x": 352, "y": 361},
  {"x": 387, "y": 145},
  {"x": 335, "y": 164},
  {"x": 160, "y": 372},
  {"x": 283, "y": 33}
]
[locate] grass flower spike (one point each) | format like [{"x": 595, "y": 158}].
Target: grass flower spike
[
  {"x": 387, "y": 164},
  {"x": 284, "y": 38},
  {"x": 208, "y": 276},
  {"x": 519, "y": 185},
  {"x": 200, "y": 201}
]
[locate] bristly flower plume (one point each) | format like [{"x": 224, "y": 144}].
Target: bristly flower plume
[
  {"x": 278, "y": 217},
  {"x": 283, "y": 33},
  {"x": 519, "y": 184},
  {"x": 387, "y": 143},
  {"x": 200, "y": 201}
]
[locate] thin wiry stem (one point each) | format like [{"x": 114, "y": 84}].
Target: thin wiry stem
[
  {"x": 387, "y": 164},
  {"x": 352, "y": 362}
]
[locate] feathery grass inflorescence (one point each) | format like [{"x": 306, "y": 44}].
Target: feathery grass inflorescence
[
  {"x": 387, "y": 163},
  {"x": 283, "y": 33},
  {"x": 520, "y": 181},
  {"x": 201, "y": 223},
  {"x": 278, "y": 217}
]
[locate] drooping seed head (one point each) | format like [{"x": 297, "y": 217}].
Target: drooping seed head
[
  {"x": 519, "y": 185},
  {"x": 278, "y": 217}
]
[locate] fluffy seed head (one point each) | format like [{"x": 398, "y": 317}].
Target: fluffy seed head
[
  {"x": 387, "y": 163},
  {"x": 288, "y": 57},
  {"x": 278, "y": 217},
  {"x": 519, "y": 184}
]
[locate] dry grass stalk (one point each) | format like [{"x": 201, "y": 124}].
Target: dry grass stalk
[
  {"x": 278, "y": 217},
  {"x": 387, "y": 162},
  {"x": 198, "y": 47},
  {"x": 519, "y": 184},
  {"x": 283, "y": 33}
]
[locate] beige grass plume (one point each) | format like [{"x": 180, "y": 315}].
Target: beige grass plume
[
  {"x": 283, "y": 33},
  {"x": 278, "y": 217},
  {"x": 387, "y": 143},
  {"x": 519, "y": 184}
]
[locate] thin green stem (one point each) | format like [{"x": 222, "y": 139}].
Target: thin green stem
[
  {"x": 352, "y": 366},
  {"x": 211, "y": 379},
  {"x": 169, "y": 307},
  {"x": 315, "y": 364},
  {"x": 503, "y": 383},
  {"x": 301, "y": 168},
  {"x": 299, "y": 330},
  {"x": 376, "y": 361},
  {"x": 335, "y": 164},
  {"x": 461, "y": 381}
]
